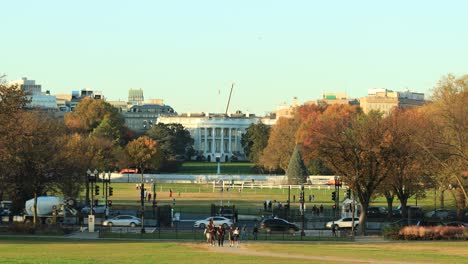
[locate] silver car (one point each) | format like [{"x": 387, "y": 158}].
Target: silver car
[
  {"x": 217, "y": 220},
  {"x": 122, "y": 220}
]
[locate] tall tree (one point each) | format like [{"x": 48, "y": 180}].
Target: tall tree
[
  {"x": 90, "y": 113},
  {"x": 255, "y": 140},
  {"x": 75, "y": 161},
  {"x": 142, "y": 152},
  {"x": 408, "y": 174},
  {"x": 296, "y": 172},
  {"x": 281, "y": 144},
  {"x": 354, "y": 146},
  {"x": 173, "y": 140},
  {"x": 34, "y": 156},
  {"x": 447, "y": 145}
]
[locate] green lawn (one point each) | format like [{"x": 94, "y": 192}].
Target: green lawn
[
  {"x": 212, "y": 167},
  {"x": 40, "y": 250},
  {"x": 198, "y": 197}
]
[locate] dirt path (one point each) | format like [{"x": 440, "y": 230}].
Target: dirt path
[{"x": 244, "y": 250}]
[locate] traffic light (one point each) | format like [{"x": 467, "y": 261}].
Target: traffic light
[
  {"x": 333, "y": 196},
  {"x": 348, "y": 193},
  {"x": 96, "y": 190},
  {"x": 111, "y": 191},
  {"x": 109, "y": 203}
]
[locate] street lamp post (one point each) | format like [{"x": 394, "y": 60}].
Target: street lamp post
[
  {"x": 154, "y": 203},
  {"x": 302, "y": 210},
  {"x": 92, "y": 180},
  {"x": 142, "y": 198},
  {"x": 221, "y": 193},
  {"x": 106, "y": 188}
]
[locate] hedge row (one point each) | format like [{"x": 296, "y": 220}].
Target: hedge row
[{"x": 427, "y": 233}]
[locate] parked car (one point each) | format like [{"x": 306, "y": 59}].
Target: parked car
[
  {"x": 456, "y": 224},
  {"x": 345, "y": 222},
  {"x": 278, "y": 225},
  {"x": 5, "y": 208},
  {"x": 413, "y": 211},
  {"x": 430, "y": 223},
  {"x": 100, "y": 209},
  {"x": 217, "y": 220},
  {"x": 122, "y": 220},
  {"x": 405, "y": 222},
  {"x": 442, "y": 214},
  {"x": 377, "y": 211},
  {"x": 226, "y": 212}
]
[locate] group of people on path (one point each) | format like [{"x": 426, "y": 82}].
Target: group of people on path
[{"x": 234, "y": 234}]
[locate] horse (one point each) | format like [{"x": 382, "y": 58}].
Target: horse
[{"x": 210, "y": 235}]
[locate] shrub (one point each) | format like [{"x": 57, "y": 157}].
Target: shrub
[
  {"x": 432, "y": 233},
  {"x": 22, "y": 228},
  {"x": 391, "y": 232}
]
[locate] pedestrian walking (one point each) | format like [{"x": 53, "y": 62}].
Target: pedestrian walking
[
  {"x": 244, "y": 233},
  {"x": 236, "y": 233},
  {"x": 333, "y": 230},
  {"x": 231, "y": 236},
  {"x": 220, "y": 234},
  {"x": 255, "y": 232}
]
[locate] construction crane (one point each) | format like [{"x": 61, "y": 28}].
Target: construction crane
[{"x": 229, "y": 100}]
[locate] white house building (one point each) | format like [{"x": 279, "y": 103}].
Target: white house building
[{"x": 217, "y": 136}]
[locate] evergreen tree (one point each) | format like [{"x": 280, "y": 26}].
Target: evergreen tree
[{"x": 297, "y": 172}]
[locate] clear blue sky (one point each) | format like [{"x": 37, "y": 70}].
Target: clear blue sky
[{"x": 189, "y": 52}]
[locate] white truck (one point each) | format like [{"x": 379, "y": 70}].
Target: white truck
[{"x": 50, "y": 209}]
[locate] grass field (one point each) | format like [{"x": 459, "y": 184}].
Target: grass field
[
  {"x": 198, "y": 197},
  {"x": 212, "y": 167},
  {"x": 40, "y": 250}
]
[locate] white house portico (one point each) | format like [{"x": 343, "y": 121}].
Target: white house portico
[{"x": 216, "y": 136}]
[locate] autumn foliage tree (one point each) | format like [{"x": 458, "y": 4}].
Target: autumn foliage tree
[
  {"x": 281, "y": 144},
  {"x": 354, "y": 146},
  {"x": 447, "y": 143},
  {"x": 408, "y": 173},
  {"x": 143, "y": 153}
]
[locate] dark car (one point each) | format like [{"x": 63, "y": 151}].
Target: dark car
[
  {"x": 226, "y": 212},
  {"x": 457, "y": 224},
  {"x": 377, "y": 211},
  {"x": 278, "y": 225}
]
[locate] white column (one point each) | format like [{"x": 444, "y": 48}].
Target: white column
[
  {"x": 213, "y": 140},
  {"x": 198, "y": 130},
  {"x": 230, "y": 135},
  {"x": 206, "y": 140},
  {"x": 222, "y": 140}
]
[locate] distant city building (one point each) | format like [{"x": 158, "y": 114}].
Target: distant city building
[
  {"x": 156, "y": 101},
  {"x": 78, "y": 96},
  {"x": 35, "y": 94},
  {"x": 332, "y": 99},
  {"x": 285, "y": 110},
  {"x": 122, "y": 106},
  {"x": 142, "y": 117},
  {"x": 135, "y": 96},
  {"x": 384, "y": 100},
  {"x": 217, "y": 136}
]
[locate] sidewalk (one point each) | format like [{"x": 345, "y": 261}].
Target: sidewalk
[{"x": 84, "y": 235}]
